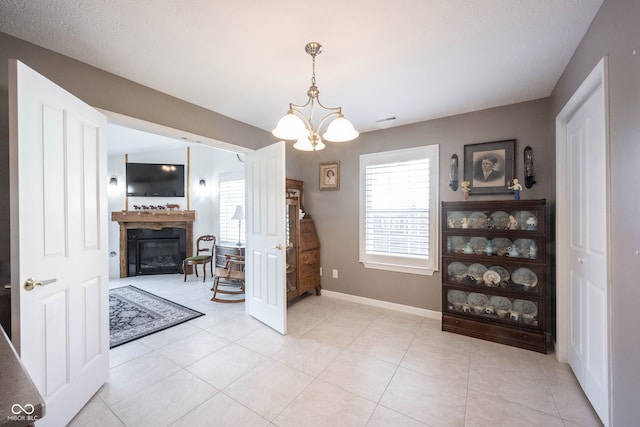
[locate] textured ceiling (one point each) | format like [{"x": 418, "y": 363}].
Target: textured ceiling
[{"x": 411, "y": 59}]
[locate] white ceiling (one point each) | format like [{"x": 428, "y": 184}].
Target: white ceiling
[{"x": 412, "y": 59}]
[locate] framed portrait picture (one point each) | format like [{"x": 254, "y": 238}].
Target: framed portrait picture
[
  {"x": 490, "y": 166},
  {"x": 330, "y": 175}
]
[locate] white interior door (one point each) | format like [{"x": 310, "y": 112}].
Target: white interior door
[
  {"x": 58, "y": 235},
  {"x": 266, "y": 297},
  {"x": 582, "y": 243},
  {"x": 587, "y": 261}
]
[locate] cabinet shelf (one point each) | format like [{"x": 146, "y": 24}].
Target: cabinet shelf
[{"x": 494, "y": 271}]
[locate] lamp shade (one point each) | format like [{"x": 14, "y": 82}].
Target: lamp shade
[
  {"x": 340, "y": 130},
  {"x": 289, "y": 127},
  {"x": 239, "y": 213},
  {"x": 304, "y": 144}
]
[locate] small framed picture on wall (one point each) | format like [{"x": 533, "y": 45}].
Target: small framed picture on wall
[{"x": 330, "y": 175}]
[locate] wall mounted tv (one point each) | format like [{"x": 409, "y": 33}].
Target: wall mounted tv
[{"x": 155, "y": 180}]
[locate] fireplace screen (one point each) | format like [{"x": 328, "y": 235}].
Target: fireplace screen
[{"x": 159, "y": 255}]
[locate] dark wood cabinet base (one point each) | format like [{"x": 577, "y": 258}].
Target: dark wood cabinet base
[{"x": 527, "y": 339}]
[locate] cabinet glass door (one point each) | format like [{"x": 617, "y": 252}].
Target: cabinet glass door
[{"x": 292, "y": 244}]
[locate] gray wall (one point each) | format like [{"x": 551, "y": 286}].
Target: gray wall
[
  {"x": 615, "y": 33},
  {"x": 335, "y": 213}
]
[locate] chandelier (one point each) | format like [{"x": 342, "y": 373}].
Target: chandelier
[{"x": 296, "y": 126}]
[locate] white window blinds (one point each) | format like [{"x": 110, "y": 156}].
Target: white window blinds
[
  {"x": 399, "y": 210},
  {"x": 231, "y": 193}
]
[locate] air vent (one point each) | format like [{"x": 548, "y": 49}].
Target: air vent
[{"x": 386, "y": 119}]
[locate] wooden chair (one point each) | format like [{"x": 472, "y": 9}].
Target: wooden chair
[
  {"x": 205, "y": 246},
  {"x": 230, "y": 279}
]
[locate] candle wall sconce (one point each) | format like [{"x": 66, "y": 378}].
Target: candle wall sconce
[
  {"x": 529, "y": 175},
  {"x": 453, "y": 173}
]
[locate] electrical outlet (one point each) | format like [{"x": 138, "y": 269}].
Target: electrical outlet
[
  {"x": 335, "y": 273},
  {"x": 321, "y": 271}
]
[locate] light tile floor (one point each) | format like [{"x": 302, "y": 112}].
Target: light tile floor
[{"x": 341, "y": 364}]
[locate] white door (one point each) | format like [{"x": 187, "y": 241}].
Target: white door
[
  {"x": 588, "y": 250},
  {"x": 266, "y": 297},
  {"x": 58, "y": 235}
]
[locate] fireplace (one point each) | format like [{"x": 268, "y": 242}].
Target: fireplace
[
  {"x": 154, "y": 242},
  {"x": 155, "y": 251}
]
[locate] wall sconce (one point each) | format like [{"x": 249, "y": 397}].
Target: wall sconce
[
  {"x": 529, "y": 175},
  {"x": 203, "y": 183},
  {"x": 113, "y": 181},
  {"x": 453, "y": 173}
]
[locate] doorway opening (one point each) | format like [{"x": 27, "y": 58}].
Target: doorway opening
[{"x": 206, "y": 160}]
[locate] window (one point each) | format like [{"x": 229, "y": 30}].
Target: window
[
  {"x": 231, "y": 191},
  {"x": 399, "y": 210}
]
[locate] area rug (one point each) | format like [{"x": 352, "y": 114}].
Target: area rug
[{"x": 134, "y": 313}]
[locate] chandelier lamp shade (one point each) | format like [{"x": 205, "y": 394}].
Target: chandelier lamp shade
[{"x": 296, "y": 126}]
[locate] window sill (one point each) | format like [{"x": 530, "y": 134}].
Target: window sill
[{"x": 400, "y": 268}]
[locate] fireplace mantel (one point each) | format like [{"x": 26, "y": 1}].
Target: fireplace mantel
[{"x": 155, "y": 220}]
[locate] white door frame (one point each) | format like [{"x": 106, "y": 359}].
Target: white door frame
[{"x": 598, "y": 78}]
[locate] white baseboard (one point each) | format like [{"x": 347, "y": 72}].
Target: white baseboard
[{"x": 384, "y": 304}]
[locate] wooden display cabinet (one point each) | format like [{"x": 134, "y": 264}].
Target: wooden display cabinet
[
  {"x": 494, "y": 272},
  {"x": 303, "y": 245}
]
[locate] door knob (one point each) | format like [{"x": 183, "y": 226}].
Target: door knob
[
  {"x": 32, "y": 283},
  {"x": 278, "y": 247}
]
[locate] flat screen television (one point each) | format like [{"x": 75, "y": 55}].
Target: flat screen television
[{"x": 155, "y": 180}]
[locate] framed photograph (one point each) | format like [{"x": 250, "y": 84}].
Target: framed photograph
[
  {"x": 490, "y": 166},
  {"x": 330, "y": 175}
]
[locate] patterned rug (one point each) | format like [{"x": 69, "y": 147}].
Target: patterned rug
[{"x": 134, "y": 313}]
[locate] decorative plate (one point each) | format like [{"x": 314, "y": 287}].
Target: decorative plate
[
  {"x": 476, "y": 271},
  {"x": 524, "y": 276},
  {"x": 457, "y": 270},
  {"x": 455, "y": 218},
  {"x": 477, "y": 220},
  {"x": 501, "y": 246},
  {"x": 478, "y": 299},
  {"x": 500, "y": 303},
  {"x": 491, "y": 278},
  {"x": 455, "y": 295},
  {"x": 524, "y": 246},
  {"x": 524, "y": 306},
  {"x": 479, "y": 245},
  {"x": 503, "y": 272},
  {"x": 500, "y": 219},
  {"x": 457, "y": 244}
]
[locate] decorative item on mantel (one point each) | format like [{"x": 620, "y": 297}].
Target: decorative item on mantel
[
  {"x": 149, "y": 208},
  {"x": 466, "y": 188}
]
